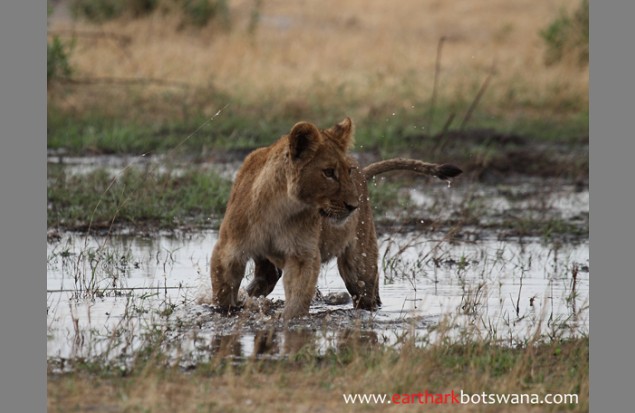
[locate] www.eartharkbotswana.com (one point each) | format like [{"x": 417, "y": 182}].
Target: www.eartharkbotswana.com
[{"x": 460, "y": 398}]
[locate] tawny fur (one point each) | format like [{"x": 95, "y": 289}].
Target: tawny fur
[{"x": 296, "y": 204}]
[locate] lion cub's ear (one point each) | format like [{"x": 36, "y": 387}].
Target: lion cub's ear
[
  {"x": 343, "y": 133},
  {"x": 304, "y": 140}
]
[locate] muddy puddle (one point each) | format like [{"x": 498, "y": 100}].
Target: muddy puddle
[{"x": 109, "y": 296}]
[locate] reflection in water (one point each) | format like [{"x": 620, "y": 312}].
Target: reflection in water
[
  {"x": 226, "y": 345},
  {"x": 266, "y": 342},
  {"x": 271, "y": 342},
  {"x": 289, "y": 342},
  {"x": 354, "y": 339},
  {"x": 299, "y": 340}
]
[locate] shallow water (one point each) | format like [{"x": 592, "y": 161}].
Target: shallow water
[{"x": 107, "y": 295}]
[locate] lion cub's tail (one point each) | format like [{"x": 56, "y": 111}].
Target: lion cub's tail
[{"x": 444, "y": 171}]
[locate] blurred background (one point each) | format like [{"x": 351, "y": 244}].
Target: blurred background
[{"x": 157, "y": 69}]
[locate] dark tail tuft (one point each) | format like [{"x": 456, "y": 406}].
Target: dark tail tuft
[{"x": 447, "y": 171}]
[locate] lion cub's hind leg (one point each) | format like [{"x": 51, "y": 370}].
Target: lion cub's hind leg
[
  {"x": 227, "y": 271},
  {"x": 266, "y": 276},
  {"x": 358, "y": 268}
]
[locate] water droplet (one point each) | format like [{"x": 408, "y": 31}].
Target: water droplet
[
  {"x": 449, "y": 181},
  {"x": 421, "y": 221},
  {"x": 393, "y": 113}
]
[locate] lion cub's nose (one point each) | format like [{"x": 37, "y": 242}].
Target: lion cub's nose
[{"x": 350, "y": 207}]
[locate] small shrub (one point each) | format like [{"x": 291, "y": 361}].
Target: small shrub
[
  {"x": 57, "y": 54},
  {"x": 57, "y": 59},
  {"x": 254, "y": 17},
  {"x": 103, "y": 10},
  {"x": 196, "y": 13},
  {"x": 568, "y": 35},
  {"x": 200, "y": 12},
  {"x": 97, "y": 10},
  {"x": 139, "y": 8}
]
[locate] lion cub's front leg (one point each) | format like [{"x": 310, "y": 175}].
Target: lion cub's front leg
[
  {"x": 227, "y": 271},
  {"x": 300, "y": 281}
]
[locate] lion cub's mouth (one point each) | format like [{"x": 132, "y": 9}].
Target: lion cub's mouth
[{"x": 337, "y": 218}]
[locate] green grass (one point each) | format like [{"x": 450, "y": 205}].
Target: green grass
[
  {"x": 549, "y": 230},
  {"x": 240, "y": 126},
  {"x": 135, "y": 197},
  {"x": 98, "y": 134}
]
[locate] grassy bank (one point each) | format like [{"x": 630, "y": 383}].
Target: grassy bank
[
  {"x": 133, "y": 197},
  {"x": 310, "y": 382}
]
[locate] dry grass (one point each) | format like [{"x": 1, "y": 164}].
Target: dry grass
[
  {"x": 371, "y": 52},
  {"x": 317, "y": 385}
]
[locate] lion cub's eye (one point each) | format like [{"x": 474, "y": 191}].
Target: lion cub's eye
[{"x": 329, "y": 172}]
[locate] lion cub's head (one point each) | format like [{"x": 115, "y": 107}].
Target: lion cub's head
[{"x": 320, "y": 173}]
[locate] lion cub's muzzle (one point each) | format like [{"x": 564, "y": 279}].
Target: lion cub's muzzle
[{"x": 339, "y": 213}]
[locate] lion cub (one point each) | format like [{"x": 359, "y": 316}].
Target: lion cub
[{"x": 296, "y": 204}]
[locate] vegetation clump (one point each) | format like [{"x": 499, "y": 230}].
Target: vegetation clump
[{"x": 568, "y": 36}]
